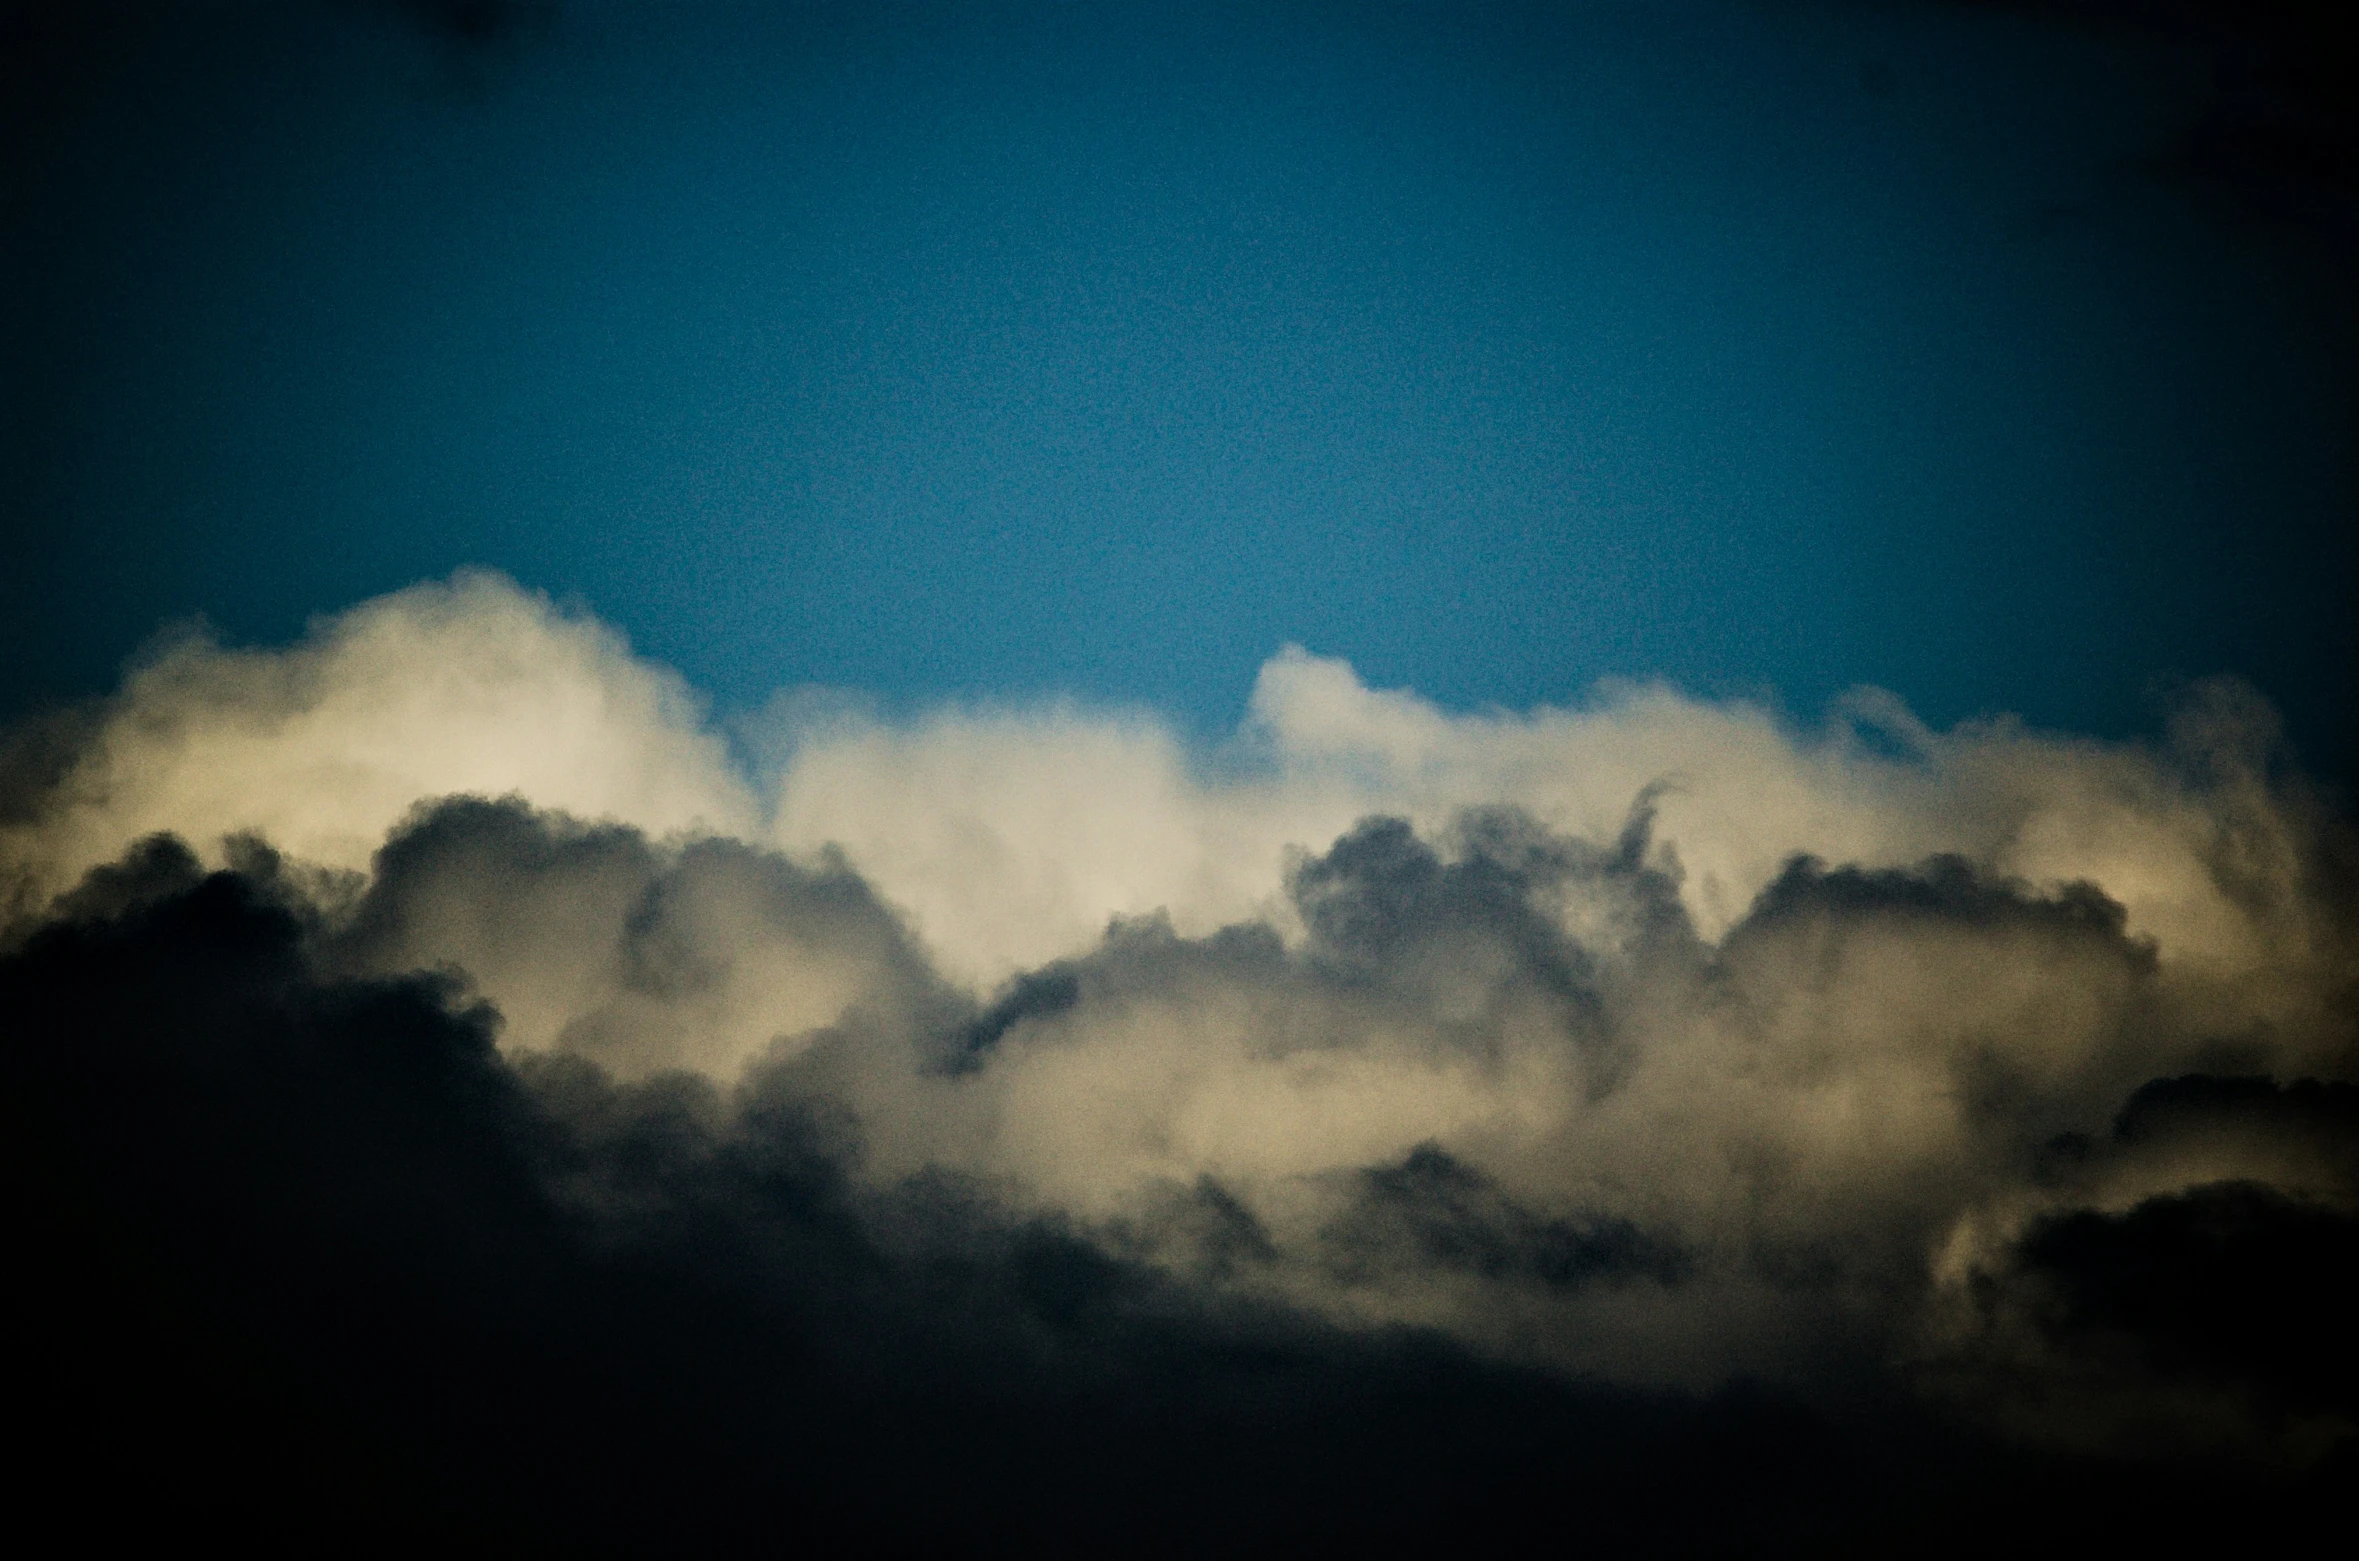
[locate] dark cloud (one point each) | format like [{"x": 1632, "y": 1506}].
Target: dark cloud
[
  {"x": 305, "y": 1257},
  {"x": 1393, "y": 921},
  {"x": 2185, "y": 1288},
  {"x": 1935, "y": 938},
  {"x": 1431, "y": 1211},
  {"x": 592, "y": 939},
  {"x": 2233, "y": 1284},
  {"x": 1383, "y": 907},
  {"x": 1036, "y": 994},
  {"x": 1139, "y": 957},
  {"x": 1383, "y": 904},
  {"x": 2195, "y": 1102},
  {"x": 1944, "y": 890}
]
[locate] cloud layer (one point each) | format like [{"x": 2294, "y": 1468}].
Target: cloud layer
[{"x": 1999, "y": 1079}]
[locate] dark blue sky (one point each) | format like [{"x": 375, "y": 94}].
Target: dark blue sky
[{"x": 1764, "y": 348}]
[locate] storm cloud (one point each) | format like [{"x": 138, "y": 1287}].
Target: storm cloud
[{"x": 454, "y": 1078}]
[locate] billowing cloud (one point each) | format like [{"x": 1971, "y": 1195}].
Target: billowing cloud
[
  {"x": 1994, "y": 1078},
  {"x": 467, "y": 687}
]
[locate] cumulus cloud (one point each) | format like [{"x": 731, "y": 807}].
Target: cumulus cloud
[
  {"x": 1652, "y": 1046},
  {"x": 466, "y": 687}
]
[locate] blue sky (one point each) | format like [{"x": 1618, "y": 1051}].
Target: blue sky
[{"x": 1765, "y": 349}]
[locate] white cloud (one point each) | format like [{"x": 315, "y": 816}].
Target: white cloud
[
  {"x": 469, "y": 686},
  {"x": 1827, "y": 1096}
]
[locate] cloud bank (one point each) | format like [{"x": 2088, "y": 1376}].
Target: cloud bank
[{"x": 430, "y": 1029}]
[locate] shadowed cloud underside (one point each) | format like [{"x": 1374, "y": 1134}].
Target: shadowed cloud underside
[{"x": 473, "y": 1048}]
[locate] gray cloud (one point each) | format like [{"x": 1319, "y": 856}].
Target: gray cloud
[
  {"x": 2025, "y": 1125},
  {"x": 1432, "y": 1211}
]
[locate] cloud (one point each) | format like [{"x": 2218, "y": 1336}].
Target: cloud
[
  {"x": 1431, "y": 1211},
  {"x": 435, "y": 1019},
  {"x": 590, "y": 939},
  {"x": 466, "y": 687}
]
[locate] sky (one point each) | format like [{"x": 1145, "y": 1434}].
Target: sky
[
  {"x": 1007, "y": 352},
  {"x": 1266, "y": 778}
]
